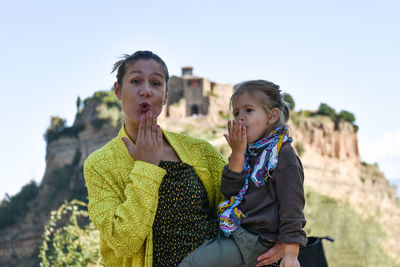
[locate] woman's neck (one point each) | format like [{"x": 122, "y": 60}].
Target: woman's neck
[{"x": 132, "y": 131}]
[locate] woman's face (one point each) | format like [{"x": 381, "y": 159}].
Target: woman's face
[{"x": 143, "y": 89}]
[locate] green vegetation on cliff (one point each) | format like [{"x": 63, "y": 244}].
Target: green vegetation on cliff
[
  {"x": 15, "y": 208},
  {"x": 358, "y": 241}
]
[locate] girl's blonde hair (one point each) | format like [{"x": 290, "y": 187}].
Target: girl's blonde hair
[{"x": 267, "y": 94}]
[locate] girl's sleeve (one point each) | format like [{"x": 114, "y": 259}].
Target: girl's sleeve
[
  {"x": 231, "y": 182},
  {"x": 123, "y": 224},
  {"x": 290, "y": 193}
]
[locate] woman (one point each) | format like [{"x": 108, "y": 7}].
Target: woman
[{"x": 153, "y": 194}]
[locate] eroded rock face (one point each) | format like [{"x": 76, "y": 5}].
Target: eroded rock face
[
  {"x": 19, "y": 243},
  {"x": 332, "y": 167},
  {"x": 327, "y": 138}
]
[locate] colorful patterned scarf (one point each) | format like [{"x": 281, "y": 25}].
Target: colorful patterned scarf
[{"x": 269, "y": 147}]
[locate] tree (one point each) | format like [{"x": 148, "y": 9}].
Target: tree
[
  {"x": 326, "y": 110},
  {"x": 347, "y": 116},
  {"x": 79, "y": 104},
  {"x": 289, "y": 100}
]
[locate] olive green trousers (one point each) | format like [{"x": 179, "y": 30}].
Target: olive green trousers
[{"x": 241, "y": 248}]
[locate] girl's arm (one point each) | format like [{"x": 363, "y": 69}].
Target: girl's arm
[
  {"x": 288, "y": 181},
  {"x": 233, "y": 175}
]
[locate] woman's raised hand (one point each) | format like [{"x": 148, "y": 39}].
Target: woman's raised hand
[
  {"x": 272, "y": 255},
  {"x": 149, "y": 143}
]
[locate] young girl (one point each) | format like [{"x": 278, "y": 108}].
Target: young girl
[{"x": 262, "y": 184}]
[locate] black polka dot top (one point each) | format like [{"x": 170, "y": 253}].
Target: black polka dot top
[{"x": 183, "y": 219}]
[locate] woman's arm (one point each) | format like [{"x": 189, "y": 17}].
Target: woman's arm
[
  {"x": 215, "y": 165},
  {"x": 125, "y": 220},
  {"x": 124, "y": 224},
  {"x": 290, "y": 254}
]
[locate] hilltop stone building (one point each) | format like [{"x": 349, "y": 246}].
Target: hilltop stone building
[{"x": 194, "y": 95}]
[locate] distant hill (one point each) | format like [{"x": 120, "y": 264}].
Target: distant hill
[{"x": 347, "y": 199}]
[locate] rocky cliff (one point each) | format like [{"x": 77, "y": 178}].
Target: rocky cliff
[
  {"x": 332, "y": 167},
  {"x": 329, "y": 152}
]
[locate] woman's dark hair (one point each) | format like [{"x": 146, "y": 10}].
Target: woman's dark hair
[
  {"x": 127, "y": 60},
  {"x": 267, "y": 94}
]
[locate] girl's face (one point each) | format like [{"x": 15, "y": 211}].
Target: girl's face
[
  {"x": 253, "y": 117},
  {"x": 143, "y": 89}
]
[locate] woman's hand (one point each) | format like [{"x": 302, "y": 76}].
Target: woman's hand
[
  {"x": 272, "y": 255},
  {"x": 149, "y": 144},
  {"x": 237, "y": 140},
  {"x": 290, "y": 253},
  {"x": 290, "y": 260}
]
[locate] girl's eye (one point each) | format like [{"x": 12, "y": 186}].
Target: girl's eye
[
  {"x": 249, "y": 110},
  {"x": 235, "y": 114}
]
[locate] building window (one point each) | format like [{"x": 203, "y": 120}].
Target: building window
[
  {"x": 194, "y": 83},
  {"x": 194, "y": 109}
]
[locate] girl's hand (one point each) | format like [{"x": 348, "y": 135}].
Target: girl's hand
[
  {"x": 237, "y": 140},
  {"x": 236, "y": 137},
  {"x": 149, "y": 144},
  {"x": 289, "y": 260}
]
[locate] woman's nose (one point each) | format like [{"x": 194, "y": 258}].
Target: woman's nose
[{"x": 145, "y": 90}]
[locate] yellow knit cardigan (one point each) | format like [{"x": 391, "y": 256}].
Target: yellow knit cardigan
[{"x": 123, "y": 194}]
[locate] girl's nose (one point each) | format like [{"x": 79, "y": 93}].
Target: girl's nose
[
  {"x": 145, "y": 90},
  {"x": 240, "y": 117}
]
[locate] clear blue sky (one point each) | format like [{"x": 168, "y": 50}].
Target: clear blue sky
[{"x": 344, "y": 53}]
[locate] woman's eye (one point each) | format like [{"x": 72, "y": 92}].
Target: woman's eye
[
  {"x": 135, "y": 81},
  {"x": 156, "y": 83}
]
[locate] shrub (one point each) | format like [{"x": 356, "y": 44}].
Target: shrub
[
  {"x": 211, "y": 94},
  {"x": 99, "y": 123},
  {"x": 224, "y": 115},
  {"x": 289, "y": 100},
  {"x": 17, "y": 206},
  {"x": 106, "y": 97},
  {"x": 306, "y": 113},
  {"x": 57, "y": 129},
  {"x": 74, "y": 243},
  {"x": 299, "y": 148},
  {"x": 6, "y": 214}
]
